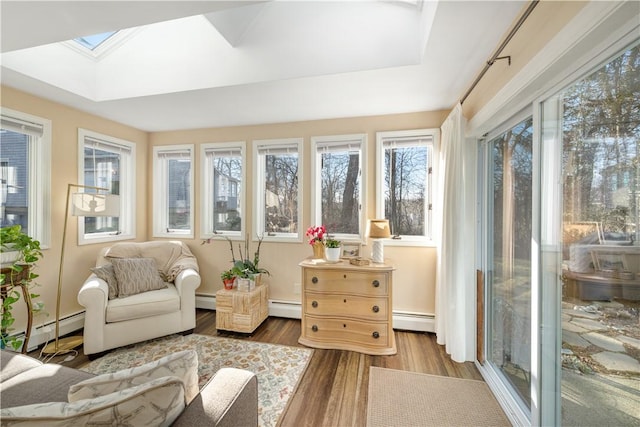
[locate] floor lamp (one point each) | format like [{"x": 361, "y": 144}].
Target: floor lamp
[
  {"x": 82, "y": 204},
  {"x": 378, "y": 231}
]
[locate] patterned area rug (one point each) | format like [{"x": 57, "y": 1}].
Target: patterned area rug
[{"x": 278, "y": 368}]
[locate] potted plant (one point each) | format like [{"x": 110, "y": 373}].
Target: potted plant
[
  {"x": 243, "y": 267},
  {"x": 25, "y": 253},
  {"x": 228, "y": 277},
  {"x": 333, "y": 247},
  {"x": 316, "y": 235}
]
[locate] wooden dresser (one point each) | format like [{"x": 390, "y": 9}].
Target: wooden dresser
[{"x": 347, "y": 307}]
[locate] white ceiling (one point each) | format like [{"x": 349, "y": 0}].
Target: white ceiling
[{"x": 195, "y": 64}]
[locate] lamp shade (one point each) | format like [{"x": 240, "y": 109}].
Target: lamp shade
[
  {"x": 91, "y": 204},
  {"x": 379, "y": 229}
]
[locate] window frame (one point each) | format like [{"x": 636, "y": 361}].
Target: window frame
[
  {"x": 127, "y": 218},
  {"x": 39, "y": 161},
  {"x": 428, "y": 238},
  {"x": 259, "y": 196},
  {"x": 160, "y": 201},
  {"x": 206, "y": 190},
  {"x": 316, "y": 179}
]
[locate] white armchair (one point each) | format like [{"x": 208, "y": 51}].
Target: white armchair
[{"x": 113, "y": 321}]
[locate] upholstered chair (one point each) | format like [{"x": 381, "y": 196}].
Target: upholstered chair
[{"x": 138, "y": 291}]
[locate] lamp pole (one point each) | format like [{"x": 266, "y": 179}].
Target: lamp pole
[{"x": 65, "y": 345}]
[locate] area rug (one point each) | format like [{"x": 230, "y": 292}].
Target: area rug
[
  {"x": 278, "y": 368},
  {"x": 401, "y": 398}
]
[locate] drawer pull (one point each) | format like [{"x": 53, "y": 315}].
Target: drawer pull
[
  {"x": 375, "y": 283},
  {"x": 314, "y": 304},
  {"x": 376, "y": 335},
  {"x": 314, "y": 328},
  {"x": 314, "y": 280},
  {"x": 375, "y": 308}
]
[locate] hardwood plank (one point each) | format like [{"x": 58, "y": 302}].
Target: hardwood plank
[{"x": 333, "y": 390}]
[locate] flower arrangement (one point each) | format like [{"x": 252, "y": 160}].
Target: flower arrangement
[{"x": 316, "y": 234}]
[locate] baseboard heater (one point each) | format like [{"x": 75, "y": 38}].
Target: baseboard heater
[
  {"x": 46, "y": 332},
  {"x": 402, "y": 320}
]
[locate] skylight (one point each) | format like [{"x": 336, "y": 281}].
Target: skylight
[{"x": 92, "y": 42}]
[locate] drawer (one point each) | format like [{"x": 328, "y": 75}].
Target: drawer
[
  {"x": 319, "y": 304},
  {"x": 353, "y": 332},
  {"x": 363, "y": 283}
]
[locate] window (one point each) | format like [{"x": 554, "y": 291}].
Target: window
[
  {"x": 223, "y": 166},
  {"x": 93, "y": 41},
  {"x": 337, "y": 163},
  {"x": 107, "y": 162},
  {"x": 278, "y": 204},
  {"x": 173, "y": 192},
  {"x": 405, "y": 162},
  {"x": 25, "y": 173}
]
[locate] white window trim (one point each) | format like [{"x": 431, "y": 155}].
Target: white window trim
[
  {"x": 258, "y": 202},
  {"x": 127, "y": 221},
  {"x": 40, "y": 174},
  {"x": 206, "y": 191},
  {"x": 316, "y": 194},
  {"x": 106, "y": 47},
  {"x": 434, "y": 134},
  {"x": 160, "y": 196}
]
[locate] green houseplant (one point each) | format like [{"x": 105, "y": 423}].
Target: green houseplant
[
  {"x": 243, "y": 267},
  {"x": 332, "y": 252},
  {"x": 228, "y": 277},
  {"x": 27, "y": 252}
]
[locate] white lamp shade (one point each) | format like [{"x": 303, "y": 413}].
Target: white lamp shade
[{"x": 90, "y": 204}]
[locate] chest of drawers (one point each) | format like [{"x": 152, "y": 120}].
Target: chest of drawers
[{"x": 347, "y": 307}]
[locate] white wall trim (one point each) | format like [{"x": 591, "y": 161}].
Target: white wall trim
[
  {"x": 46, "y": 332},
  {"x": 402, "y": 320},
  {"x": 292, "y": 310},
  {"x": 418, "y": 322}
]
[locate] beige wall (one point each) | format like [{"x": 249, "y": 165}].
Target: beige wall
[
  {"x": 64, "y": 170},
  {"x": 414, "y": 278},
  {"x": 415, "y": 275},
  {"x": 546, "y": 20}
]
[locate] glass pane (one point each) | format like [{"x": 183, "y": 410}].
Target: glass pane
[
  {"x": 179, "y": 185},
  {"x": 101, "y": 169},
  {"x": 405, "y": 189},
  {"x": 14, "y": 178},
  {"x": 340, "y": 182},
  {"x": 509, "y": 278},
  {"x": 227, "y": 187},
  {"x": 281, "y": 193},
  {"x": 95, "y": 40},
  {"x": 600, "y": 124}
]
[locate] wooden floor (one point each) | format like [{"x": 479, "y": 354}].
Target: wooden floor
[{"x": 333, "y": 390}]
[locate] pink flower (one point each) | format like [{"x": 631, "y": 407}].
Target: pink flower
[{"x": 316, "y": 233}]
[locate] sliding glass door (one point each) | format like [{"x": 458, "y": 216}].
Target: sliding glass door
[
  {"x": 560, "y": 221},
  {"x": 591, "y": 194},
  {"x": 507, "y": 257}
]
